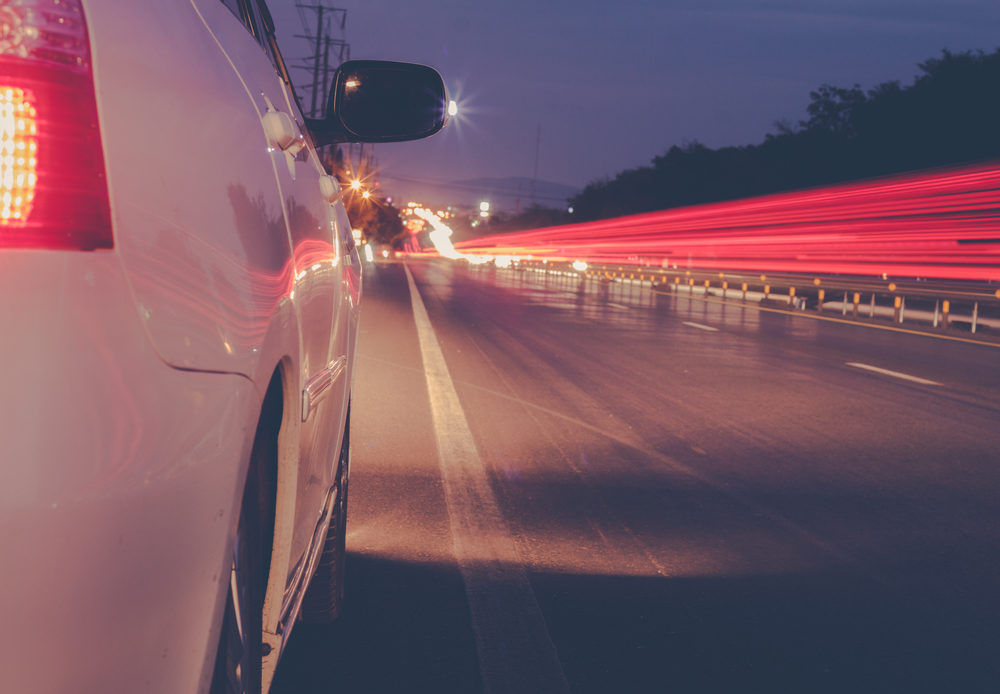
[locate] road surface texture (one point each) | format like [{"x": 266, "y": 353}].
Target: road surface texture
[{"x": 559, "y": 491}]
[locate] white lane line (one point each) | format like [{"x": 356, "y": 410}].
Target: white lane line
[
  {"x": 618, "y": 306},
  {"x": 894, "y": 374},
  {"x": 516, "y": 653},
  {"x": 701, "y": 327}
]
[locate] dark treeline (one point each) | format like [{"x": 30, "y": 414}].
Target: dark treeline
[
  {"x": 950, "y": 114},
  {"x": 534, "y": 217}
]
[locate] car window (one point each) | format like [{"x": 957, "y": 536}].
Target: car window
[
  {"x": 264, "y": 33},
  {"x": 250, "y": 14},
  {"x": 256, "y": 17},
  {"x": 240, "y": 10}
]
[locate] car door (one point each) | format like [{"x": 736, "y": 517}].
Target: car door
[{"x": 314, "y": 229}]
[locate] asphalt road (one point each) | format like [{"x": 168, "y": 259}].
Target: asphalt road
[{"x": 658, "y": 494}]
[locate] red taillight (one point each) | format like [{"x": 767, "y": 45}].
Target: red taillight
[
  {"x": 53, "y": 191},
  {"x": 18, "y": 155}
]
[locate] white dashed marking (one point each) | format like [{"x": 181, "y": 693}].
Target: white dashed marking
[
  {"x": 894, "y": 374},
  {"x": 701, "y": 327}
]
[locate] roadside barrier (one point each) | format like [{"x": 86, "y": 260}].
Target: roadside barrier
[{"x": 936, "y": 307}]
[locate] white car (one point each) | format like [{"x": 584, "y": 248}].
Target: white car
[{"x": 179, "y": 315}]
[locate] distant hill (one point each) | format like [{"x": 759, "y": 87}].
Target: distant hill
[{"x": 503, "y": 194}]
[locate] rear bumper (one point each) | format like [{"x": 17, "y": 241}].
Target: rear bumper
[{"x": 120, "y": 482}]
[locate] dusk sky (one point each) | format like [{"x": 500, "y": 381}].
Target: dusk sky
[{"x": 612, "y": 84}]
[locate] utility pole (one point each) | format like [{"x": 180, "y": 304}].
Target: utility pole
[
  {"x": 534, "y": 178},
  {"x": 321, "y": 21},
  {"x": 324, "y": 48}
]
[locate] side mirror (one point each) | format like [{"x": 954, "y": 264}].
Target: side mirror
[{"x": 381, "y": 101}]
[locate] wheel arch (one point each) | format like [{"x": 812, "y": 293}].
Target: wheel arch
[{"x": 283, "y": 384}]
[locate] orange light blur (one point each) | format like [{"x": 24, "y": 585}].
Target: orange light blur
[{"x": 18, "y": 155}]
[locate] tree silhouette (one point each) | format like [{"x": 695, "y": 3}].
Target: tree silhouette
[{"x": 950, "y": 114}]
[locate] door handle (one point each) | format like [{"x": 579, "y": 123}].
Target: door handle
[{"x": 282, "y": 134}]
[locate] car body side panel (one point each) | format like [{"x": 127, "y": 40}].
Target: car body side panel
[
  {"x": 315, "y": 294},
  {"x": 198, "y": 220},
  {"x": 346, "y": 327},
  {"x": 119, "y": 487}
]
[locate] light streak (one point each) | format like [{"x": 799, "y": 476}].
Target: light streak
[
  {"x": 938, "y": 224},
  {"x": 440, "y": 236}
]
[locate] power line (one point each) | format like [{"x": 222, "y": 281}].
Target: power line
[
  {"x": 498, "y": 190},
  {"x": 321, "y": 41}
]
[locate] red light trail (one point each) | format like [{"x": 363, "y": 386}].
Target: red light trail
[{"x": 942, "y": 224}]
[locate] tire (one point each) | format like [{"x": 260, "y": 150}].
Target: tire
[
  {"x": 238, "y": 659},
  {"x": 324, "y": 598}
]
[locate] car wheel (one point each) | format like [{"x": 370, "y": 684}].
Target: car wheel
[
  {"x": 324, "y": 599},
  {"x": 238, "y": 660}
]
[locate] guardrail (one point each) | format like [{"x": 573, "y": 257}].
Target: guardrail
[{"x": 934, "y": 307}]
